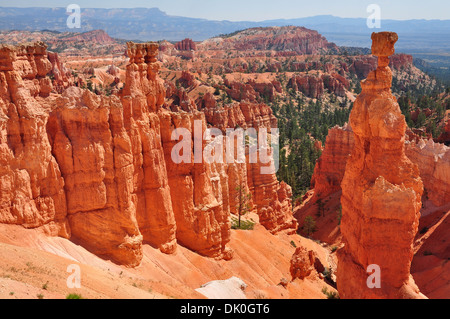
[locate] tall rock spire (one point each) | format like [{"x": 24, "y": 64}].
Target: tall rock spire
[{"x": 381, "y": 191}]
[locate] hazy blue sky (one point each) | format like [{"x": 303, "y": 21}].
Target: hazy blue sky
[{"x": 257, "y": 10}]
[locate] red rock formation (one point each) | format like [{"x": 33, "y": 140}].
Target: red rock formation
[
  {"x": 363, "y": 65},
  {"x": 142, "y": 98},
  {"x": 99, "y": 202},
  {"x": 253, "y": 90},
  {"x": 445, "y": 136},
  {"x": 322, "y": 202},
  {"x": 113, "y": 70},
  {"x": 98, "y": 169},
  {"x": 401, "y": 61},
  {"x": 334, "y": 84},
  {"x": 302, "y": 263},
  {"x": 430, "y": 266},
  {"x": 124, "y": 199},
  {"x": 309, "y": 85},
  {"x": 241, "y": 91},
  {"x": 313, "y": 86},
  {"x": 244, "y": 115},
  {"x": 187, "y": 79},
  {"x": 31, "y": 186},
  {"x": 186, "y": 45},
  {"x": 208, "y": 102},
  {"x": 202, "y": 220},
  {"x": 186, "y": 49},
  {"x": 297, "y": 39},
  {"x": 90, "y": 37},
  {"x": 330, "y": 168},
  {"x": 62, "y": 76},
  {"x": 433, "y": 160},
  {"x": 271, "y": 199},
  {"x": 381, "y": 191}
]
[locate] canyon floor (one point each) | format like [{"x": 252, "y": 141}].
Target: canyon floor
[{"x": 34, "y": 265}]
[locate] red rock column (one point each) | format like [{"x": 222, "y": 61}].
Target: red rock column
[
  {"x": 381, "y": 191},
  {"x": 142, "y": 99}
]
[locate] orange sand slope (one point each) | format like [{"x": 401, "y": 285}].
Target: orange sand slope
[{"x": 33, "y": 265}]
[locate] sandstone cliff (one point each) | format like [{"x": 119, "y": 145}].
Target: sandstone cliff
[
  {"x": 31, "y": 188},
  {"x": 285, "y": 39},
  {"x": 310, "y": 85},
  {"x": 186, "y": 45},
  {"x": 433, "y": 160},
  {"x": 381, "y": 191},
  {"x": 98, "y": 169},
  {"x": 330, "y": 168}
]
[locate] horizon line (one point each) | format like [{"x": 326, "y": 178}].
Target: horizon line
[{"x": 226, "y": 20}]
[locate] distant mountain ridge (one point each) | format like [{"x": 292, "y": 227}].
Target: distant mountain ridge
[{"x": 418, "y": 36}]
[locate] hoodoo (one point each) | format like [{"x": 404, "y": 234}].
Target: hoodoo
[{"x": 381, "y": 192}]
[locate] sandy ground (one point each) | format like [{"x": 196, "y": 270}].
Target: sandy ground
[{"x": 35, "y": 266}]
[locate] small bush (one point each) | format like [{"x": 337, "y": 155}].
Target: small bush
[
  {"x": 74, "y": 296},
  {"x": 330, "y": 294},
  {"x": 40, "y": 296},
  {"x": 245, "y": 224},
  {"x": 309, "y": 226},
  {"x": 293, "y": 244}
]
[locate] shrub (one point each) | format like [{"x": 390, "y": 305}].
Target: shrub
[
  {"x": 245, "y": 224},
  {"x": 330, "y": 294},
  {"x": 74, "y": 296},
  {"x": 309, "y": 226}
]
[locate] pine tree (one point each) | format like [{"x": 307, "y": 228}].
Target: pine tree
[
  {"x": 309, "y": 226},
  {"x": 243, "y": 199}
]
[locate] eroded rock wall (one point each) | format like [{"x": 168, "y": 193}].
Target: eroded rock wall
[
  {"x": 99, "y": 169},
  {"x": 31, "y": 188},
  {"x": 381, "y": 191}
]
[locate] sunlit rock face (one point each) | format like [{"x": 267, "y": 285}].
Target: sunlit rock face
[
  {"x": 99, "y": 169},
  {"x": 381, "y": 191}
]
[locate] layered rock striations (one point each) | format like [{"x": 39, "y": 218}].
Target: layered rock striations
[
  {"x": 61, "y": 75},
  {"x": 286, "y": 39},
  {"x": 270, "y": 198},
  {"x": 186, "y": 45},
  {"x": 31, "y": 185},
  {"x": 381, "y": 191},
  {"x": 330, "y": 168},
  {"x": 100, "y": 170},
  {"x": 202, "y": 218},
  {"x": 433, "y": 160},
  {"x": 85, "y": 132},
  {"x": 310, "y": 85}
]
